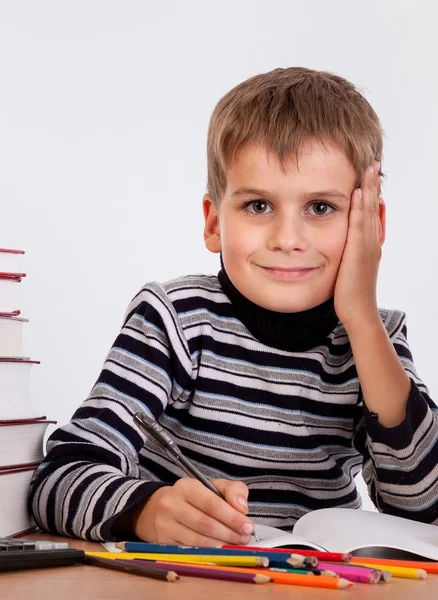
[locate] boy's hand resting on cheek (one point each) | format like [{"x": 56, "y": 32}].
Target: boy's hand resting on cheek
[
  {"x": 355, "y": 295},
  {"x": 188, "y": 513}
]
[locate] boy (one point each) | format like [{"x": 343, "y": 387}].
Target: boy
[{"x": 280, "y": 378}]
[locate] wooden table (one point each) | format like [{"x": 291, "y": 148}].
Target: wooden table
[{"x": 81, "y": 582}]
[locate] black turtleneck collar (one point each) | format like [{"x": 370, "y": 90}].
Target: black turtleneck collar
[{"x": 294, "y": 332}]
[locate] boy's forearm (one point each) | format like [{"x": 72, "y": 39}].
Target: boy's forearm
[
  {"x": 384, "y": 382},
  {"x": 126, "y": 523}
]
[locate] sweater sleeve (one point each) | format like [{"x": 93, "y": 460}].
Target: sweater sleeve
[
  {"x": 400, "y": 464},
  {"x": 91, "y": 474}
]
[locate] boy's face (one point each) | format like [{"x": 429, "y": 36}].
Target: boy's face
[{"x": 299, "y": 221}]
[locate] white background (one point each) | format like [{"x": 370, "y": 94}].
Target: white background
[{"x": 104, "y": 109}]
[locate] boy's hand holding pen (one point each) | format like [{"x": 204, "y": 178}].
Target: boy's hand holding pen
[{"x": 194, "y": 511}]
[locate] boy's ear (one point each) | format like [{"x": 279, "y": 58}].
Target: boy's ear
[
  {"x": 382, "y": 221},
  {"x": 212, "y": 237}
]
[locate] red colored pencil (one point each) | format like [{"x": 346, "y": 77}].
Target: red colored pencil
[{"x": 325, "y": 556}]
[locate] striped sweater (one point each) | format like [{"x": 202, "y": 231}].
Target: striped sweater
[{"x": 291, "y": 425}]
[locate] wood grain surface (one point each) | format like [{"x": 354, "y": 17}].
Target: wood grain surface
[{"x": 83, "y": 582}]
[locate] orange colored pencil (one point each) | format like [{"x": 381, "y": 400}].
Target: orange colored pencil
[
  {"x": 429, "y": 567},
  {"x": 322, "y": 581}
]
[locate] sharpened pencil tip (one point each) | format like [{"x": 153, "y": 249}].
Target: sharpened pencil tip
[{"x": 262, "y": 579}]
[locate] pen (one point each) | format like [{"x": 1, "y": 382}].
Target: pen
[{"x": 152, "y": 428}]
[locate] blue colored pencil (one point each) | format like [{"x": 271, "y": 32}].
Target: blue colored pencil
[{"x": 275, "y": 559}]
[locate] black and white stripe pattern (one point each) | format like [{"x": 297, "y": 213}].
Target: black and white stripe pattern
[{"x": 291, "y": 425}]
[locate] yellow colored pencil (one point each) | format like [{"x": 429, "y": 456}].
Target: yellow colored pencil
[
  {"x": 405, "y": 572},
  {"x": 429, "y": 567},
  {"x": 231, "y": 561}
]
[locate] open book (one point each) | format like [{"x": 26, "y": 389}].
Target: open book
[{"x": 360, "y": 532}]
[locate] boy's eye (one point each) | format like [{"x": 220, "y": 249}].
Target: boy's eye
[
  {"x": 257, "y": 207},
  {"x": 260, "y": 207},
  {"x": 321, "y": 208}
]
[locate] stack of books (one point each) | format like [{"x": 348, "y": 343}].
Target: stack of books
[{"x": 21, "y": 428}]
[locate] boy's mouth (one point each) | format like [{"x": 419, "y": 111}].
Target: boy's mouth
[{"x": 288, "y": 273}]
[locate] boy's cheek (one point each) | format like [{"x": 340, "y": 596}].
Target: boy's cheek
[
  {"x": 335, "y": 243},
  {"x": 340, "y": 240},
  {"x": 334, "y": 257}
]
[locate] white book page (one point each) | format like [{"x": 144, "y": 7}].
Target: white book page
[
  {"x": 271, "y": 537},
  {"x": 111, "y": 547},
  {"x": 345, "y": 530}
]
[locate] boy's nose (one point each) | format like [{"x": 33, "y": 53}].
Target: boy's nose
[{"x": 287, "y": 235}]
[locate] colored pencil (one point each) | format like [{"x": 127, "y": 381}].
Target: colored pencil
[
  {"x": 293, "y": 578},
  {"x": 405, "y": 572},
  {"x": 326, "y": 556},
  {"x": 354, "y": 572},
  {"x": 241, "y": 561},
  {"x": 322, "y": 582},
  {"x": 275, "y": 559},
  {"x": 310, "y": 571},
  {"x": 128, "y": 566},
  {"x": 246, "y": 576},
  {"x": 429, "y": 567}
]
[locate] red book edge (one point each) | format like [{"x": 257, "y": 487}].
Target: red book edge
[
  {"x": 7, "y": 275},
  {"x": 24, "y": 533},
  {"x": 15, "y": 422},
  {"x": 25, "y": 419},
  {"x": 9, "y": 251},
  {"x": 20, "y": 360},
  {"x": 9, "y": 469}
]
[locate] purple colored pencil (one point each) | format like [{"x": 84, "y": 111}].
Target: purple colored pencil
[
  {"x": 352, "y": 573},
  {"x": 146, "y": 570},
  {"x": 207, "y": 573}
]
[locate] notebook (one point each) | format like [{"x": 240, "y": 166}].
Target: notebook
[{"x": 359, "y": 532}]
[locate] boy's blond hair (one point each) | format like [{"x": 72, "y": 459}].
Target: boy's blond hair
[{"x": 282, "y": 110}]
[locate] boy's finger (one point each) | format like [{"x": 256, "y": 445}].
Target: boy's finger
[
  {"x": 202, "y": 529},
  {"x": 370, "y": 199},
  {"x": 211, "y": 505},
  {"x": 236, "y": 494},
  {"x": 356, "y": 220},
  {"x": 180, "y": 535}
]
